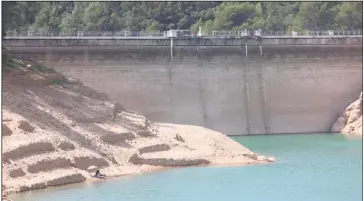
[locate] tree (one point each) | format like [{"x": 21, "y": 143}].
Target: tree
[
  {"x": 160, "y": 16},
  {"x": 349, "y": 15}
]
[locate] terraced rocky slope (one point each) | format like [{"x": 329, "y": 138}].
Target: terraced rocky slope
[{"x": 54, "y": 128}]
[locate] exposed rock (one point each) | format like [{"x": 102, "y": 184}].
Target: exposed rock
[
  {"x": 350, "y": 122},
  {"x": 118, "y": 108},
  {"x": 354, "y": 128},
  {"x": 117, "y": 138},
  {"x": 6, "y": 130},
  {"x": 75, "y": 178},
  {"x": 85, "y": 162},
  {"x": 155, "y": 148},
  {"x": 66, "y": 146},
  {"x": 338, "y": 125},
  {"x": 260, "y": 158},
  {"x": 145, "y": 133},
  {"x": 147, "y": 124},
  {"x": 16, "y": 173},
  {"x": 271, "y": 159},
  {"x": 135, "y": 159},
  {"x": 179, "y": 138},
  {"x": 40, "y": 185},
  {"x": 25, "y": 126},
  {"x": 48, "y": 165},
  {"x": 28, "y": 150}
]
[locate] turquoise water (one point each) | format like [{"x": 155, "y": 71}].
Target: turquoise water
[{"x": 310, "y": 168}]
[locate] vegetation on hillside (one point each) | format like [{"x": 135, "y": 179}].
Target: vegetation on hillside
[
  {"x": 71, "y": 16},
  {"x": 10, "y": 61}
]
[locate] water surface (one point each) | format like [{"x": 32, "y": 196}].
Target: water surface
[{"x": 320, "y": 167}]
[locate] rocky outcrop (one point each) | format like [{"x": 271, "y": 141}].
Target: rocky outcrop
[
  {"x": 25, "y": 126},
  {"x": 70, "y": 179},
  {"x": 48, "y": 165},
  {"x": 179, "y": 138},
  {"x": 115, "y": 139},
  {"x": 84, "y": 162},
  {"x": 28, "y": 150},
  {"x": 154, "y": 148},
  {"x": 6, "y": 130},
  {"x": 350, "y": 122},
  {"x": 16, "y": 173},
  {"x": 135, "y": 159},
  {"x": 35, "y": 186},
  {"x": 145, "y": 133}
]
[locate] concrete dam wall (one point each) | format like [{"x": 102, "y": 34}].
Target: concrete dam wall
[{"x": 231, "y": 89}]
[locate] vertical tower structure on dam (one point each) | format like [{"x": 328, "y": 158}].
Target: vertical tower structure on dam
[{"x": 235, "y": 86}]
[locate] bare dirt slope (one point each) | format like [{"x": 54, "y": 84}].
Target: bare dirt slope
[
  {"x": 351, "y": 121},
  {"x": 55, "y": 128}
]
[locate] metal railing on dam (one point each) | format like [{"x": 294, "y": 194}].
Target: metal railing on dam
[
  {"x": 163, "y": 37},
  {"x": 186, "y": 34},
  {"x": 137, "y": 42}
]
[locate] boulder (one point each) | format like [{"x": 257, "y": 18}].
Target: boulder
[
  {"x": 179, "y": 138},
  {"x": 271, "y": 159}
]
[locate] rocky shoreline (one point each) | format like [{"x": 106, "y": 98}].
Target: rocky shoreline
[{"x": 350, "y": 122}]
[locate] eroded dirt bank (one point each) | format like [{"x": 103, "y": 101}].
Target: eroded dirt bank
[{"x": 55, "y": 128}]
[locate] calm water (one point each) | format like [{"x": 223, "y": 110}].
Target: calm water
[{"x": 310, "y": 168}]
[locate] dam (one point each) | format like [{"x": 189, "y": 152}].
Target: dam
[{"x": 236, "y": 86}]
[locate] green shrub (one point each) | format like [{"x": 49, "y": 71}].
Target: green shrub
[{"x": 41, "y": 69}]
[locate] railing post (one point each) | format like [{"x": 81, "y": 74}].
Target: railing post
[
  {"x": 172, "y": 47},
  {"x": 331, "y": 33}
]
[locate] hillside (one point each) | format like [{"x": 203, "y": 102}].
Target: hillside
[
  {"x": 69, "y": 17},
  {"x": 54, "y": 128}
]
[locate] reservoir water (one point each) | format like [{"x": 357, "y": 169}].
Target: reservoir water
[{"x": 312, "y": 167}]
